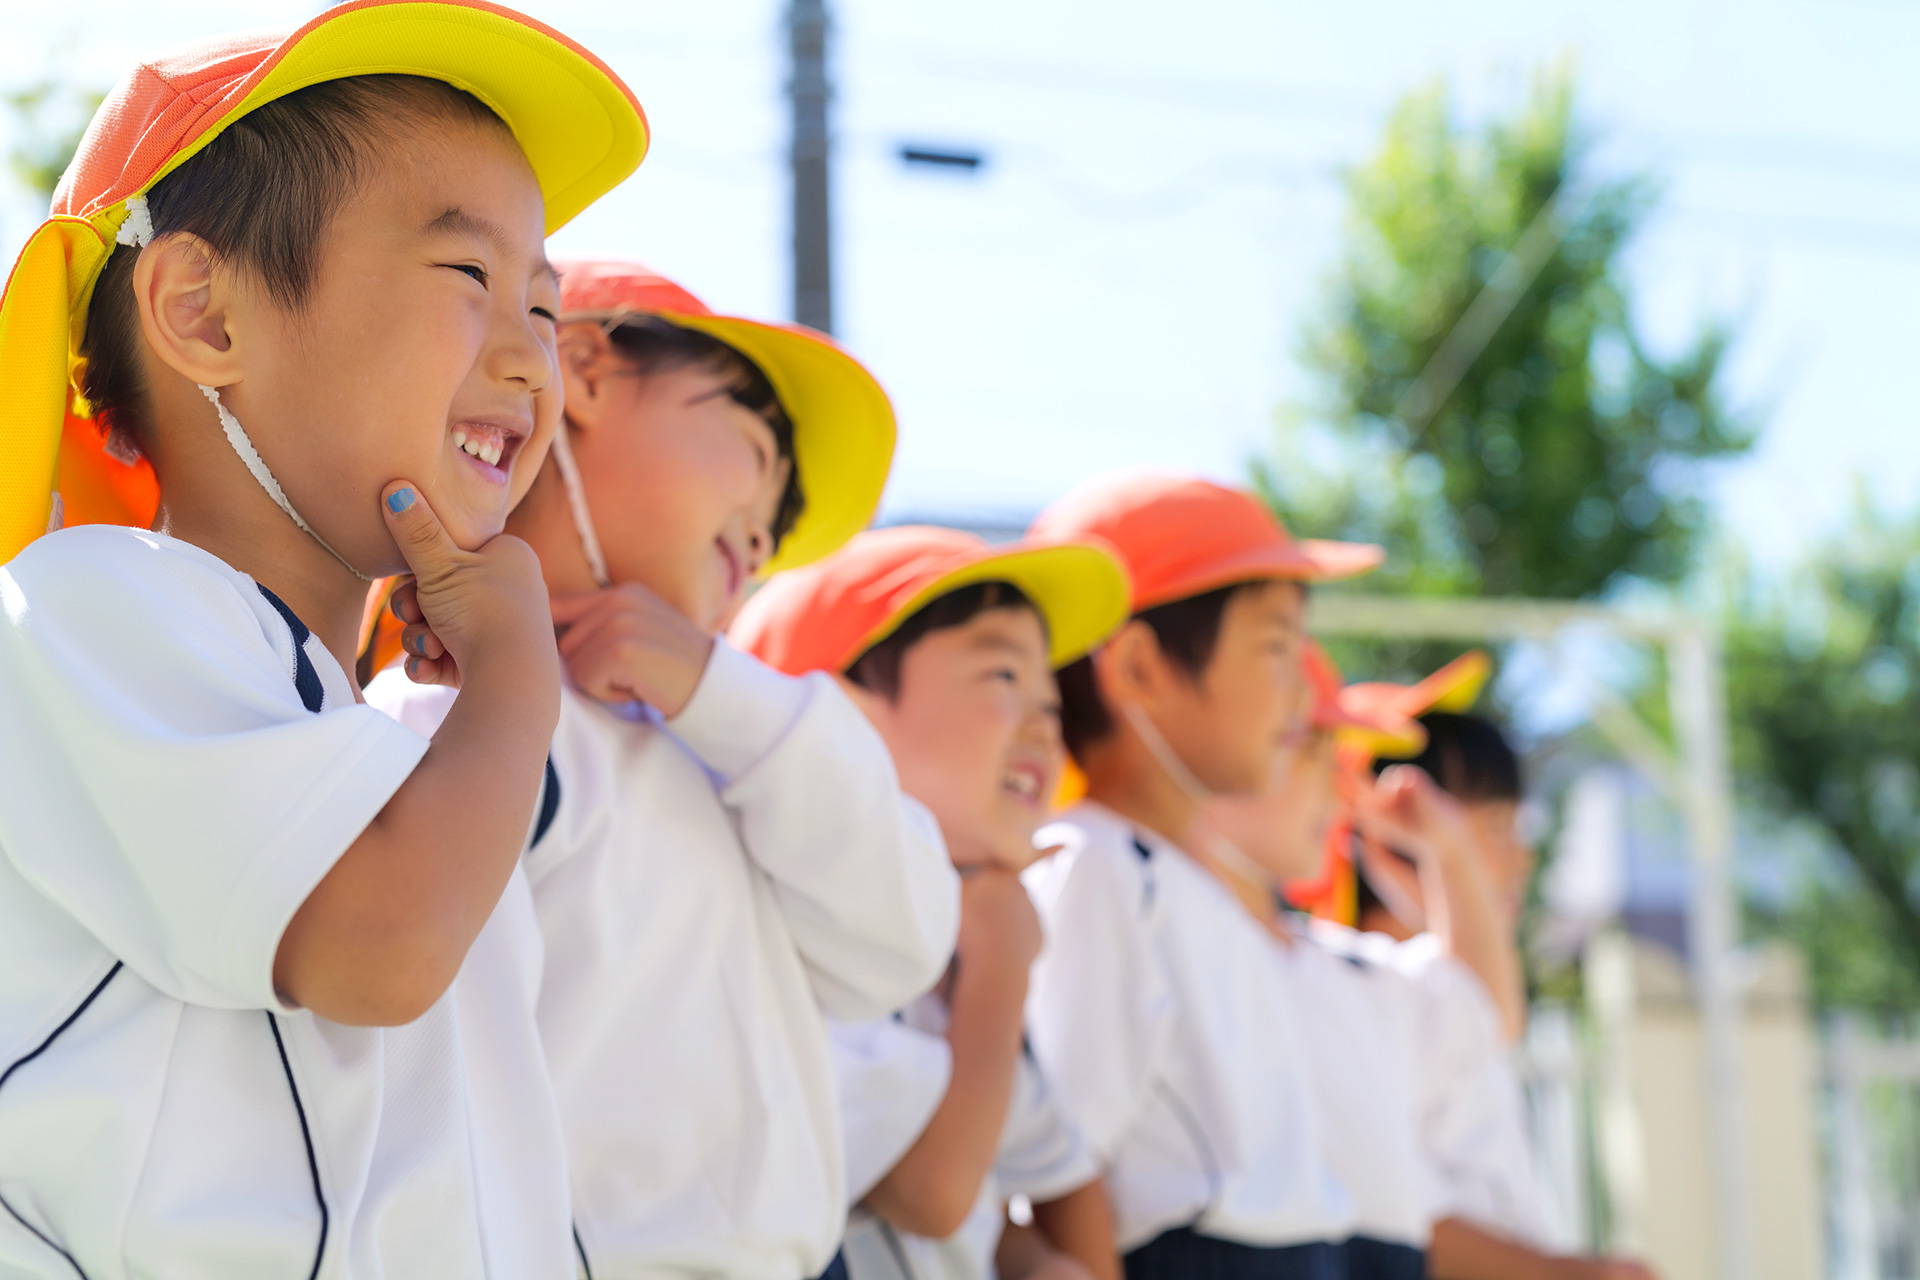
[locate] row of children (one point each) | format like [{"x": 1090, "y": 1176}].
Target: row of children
[{"x": 707, "y": 939}]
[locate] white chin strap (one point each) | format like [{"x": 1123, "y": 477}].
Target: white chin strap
[
  {"x": 242, "y": 445},
  {"x": 577, "y": 503},
  {"x": 1196, "y": 791},
  {"x": 137, "y": 230}
]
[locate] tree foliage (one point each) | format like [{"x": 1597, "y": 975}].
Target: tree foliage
[
  {"x": 1562, "y": 462},
  {"x": 1821, "y": 676},
  {"x": 49, "y": 118}
]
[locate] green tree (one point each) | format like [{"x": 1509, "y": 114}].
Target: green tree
[
  {"x": 1821, "y": 676},
  {"x": 49, "y": 118},
  {"x": 1491, "y": 413}
]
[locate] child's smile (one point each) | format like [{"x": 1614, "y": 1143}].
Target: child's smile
[{"x": 491, "y": 444}]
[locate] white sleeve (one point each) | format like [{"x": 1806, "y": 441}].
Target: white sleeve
[
  {"x": 161, "y": 781},
  {"x": 858, "y": 867},
  {"x": 1473, "y": 1118},
  {"x": 1096, "y": 999},
  {"x": 890, "y": 1079},
  {"x": 1041, "y": 1155}
]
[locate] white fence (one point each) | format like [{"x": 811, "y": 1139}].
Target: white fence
[{"x": 1867, "y": 1102}]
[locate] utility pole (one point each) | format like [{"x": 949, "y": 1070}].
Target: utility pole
[{"x": 808, "y": 94}]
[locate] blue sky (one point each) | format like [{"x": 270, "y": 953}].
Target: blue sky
[{"x": 1126, "y": 280}]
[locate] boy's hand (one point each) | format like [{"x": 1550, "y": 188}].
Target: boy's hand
[
  {"x": 626, "y": 643},
  {"x": 459, "y": 606},
  {"x": 999, "y": 929},
  {"x": 1407, "y": 811}
]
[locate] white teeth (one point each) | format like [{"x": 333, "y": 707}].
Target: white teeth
[{"x": 487, "y": 451}]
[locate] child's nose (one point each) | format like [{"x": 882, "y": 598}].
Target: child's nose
[{"x": 759, "y": 544}]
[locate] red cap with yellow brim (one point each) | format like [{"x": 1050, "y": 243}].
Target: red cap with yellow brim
[
  {"x": 824, "y": 616},
  {"x": 1352, "y": 720},
  {"x": 843, "y": 425},
  {"x": 581, "y": 129},
  {"x": 1454, "y": 687}
]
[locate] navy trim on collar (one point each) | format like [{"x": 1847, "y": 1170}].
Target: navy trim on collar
[
  {"x": 306, "y": 677},
  {"x": 549, "y": 805}
]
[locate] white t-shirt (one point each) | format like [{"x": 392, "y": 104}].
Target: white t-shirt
[
  {"x": 709, "y": 891},
  {"x": 1474, "y": 1122},
  {"x": 1368, "y": 1033},
  {"x": 167, "y": 801},
  {"x": 893, "y": 1074},
  {"x": 1173, "y": 1039}
]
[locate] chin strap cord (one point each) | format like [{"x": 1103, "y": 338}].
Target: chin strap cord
[
  {"x": 243, "y": 445},
  {"x": 562, "y": 451},
  {"x": 1226, "y": 851}
]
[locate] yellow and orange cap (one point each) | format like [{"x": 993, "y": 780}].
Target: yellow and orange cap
[
  {"x": 843, "y": 423},
  {"x": 581, "y": 128},
  {"x": 823, "y": 616}
]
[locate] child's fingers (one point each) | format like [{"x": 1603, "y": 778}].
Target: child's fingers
[
  {"x": 417, "y": 638},
  {"x": 596, "y": 670},
  {"x": 568, "y": 610},
  {"x": 405, "y": 602},
  {"x": 441, "y": 671},
  {"x": 423, "y": 540},
  {"x": 609, "y": 627}
]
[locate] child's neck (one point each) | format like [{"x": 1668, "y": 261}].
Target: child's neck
[
  {"x": 544, "y": 522},
  {"x": 1124, "y": 776},
  {"x": 240, "y": 524}
]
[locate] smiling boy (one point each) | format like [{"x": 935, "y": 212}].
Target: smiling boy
[
  {"x": 265, "y": 955},
  {"x": 949, "y": 646},
  {"x": 731, "y": 858}
]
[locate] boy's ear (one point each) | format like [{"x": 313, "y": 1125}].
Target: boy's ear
[
  {"x": 1130, "y": 668},
  {"x": 186, "y": 310},
  {"x": 587, "y": 360}
]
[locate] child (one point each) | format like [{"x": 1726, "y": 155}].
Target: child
[
  {"x": 950, "y": 647},
  {"x": 1156, "y": 1006},
  {"x": 1376, "y": 1038},
  {"x": 264, "y": 953},
  {"x": 1494, "y": 1222},
  {"x": 730, "y": 859}
]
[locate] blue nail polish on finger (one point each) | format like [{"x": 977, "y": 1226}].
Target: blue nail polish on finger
[{"x": 399, "y": 500}]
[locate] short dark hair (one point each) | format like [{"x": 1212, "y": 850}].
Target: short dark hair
[
  {"x": 878, "y": 669},
  {"x": 652, "y": 345},
  {"x": 1469, "y": 757},
  {"x": 1187, "y": 631},
  {"x": 262, "y": 195}
]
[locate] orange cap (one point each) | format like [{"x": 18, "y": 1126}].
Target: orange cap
[
  {"x": 1335, "y": 711},
  {"x": 824, "y": 616},
  {"x": 843, "y": 425},
  {"x": 1182, "y": 536},
  {"x": 1454, "y": 687},
  {"x": 581, "y": 129}
]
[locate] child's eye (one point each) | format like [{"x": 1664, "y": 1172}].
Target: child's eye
[
  {"x": 545, "y": 314},
  {"x": 467, "y": 268}
]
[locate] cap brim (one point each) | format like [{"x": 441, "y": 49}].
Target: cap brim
[
  {"x": 1454, "y": 687},
  {"x": 582, "y": 129},
  {"x": 1380, "y": 739},
  {"x": 1081, "y": 592},
  {"x": 843, "y": 428},
  {"x": 1310, "y": 560}
]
